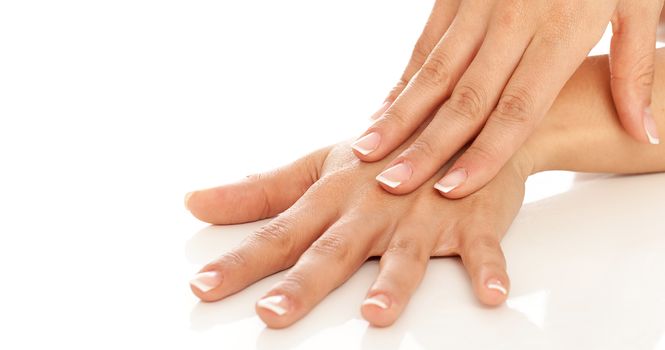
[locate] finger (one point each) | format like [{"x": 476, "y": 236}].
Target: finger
[
  {"x": 547, "y": 64},
  {"x": 465, "y": 112},
  {"x": 402, "y": 268},
  {"x": 257, "y": 196},
  {"x": 272, "y": 248},
  {"x": 431, "y": 84},
  {"x": 437, "y": 24},
  {"x": 328, "y": 263},
  {"x": 484, "y": 261},
  {"x": 632, "y": 57}
]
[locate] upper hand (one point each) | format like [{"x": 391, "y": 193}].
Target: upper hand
[{"x": 493, "y": 69}]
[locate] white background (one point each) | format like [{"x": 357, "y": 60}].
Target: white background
[{"x": 110, "y": 111}]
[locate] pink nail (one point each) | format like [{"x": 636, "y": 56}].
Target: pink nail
[
  {"x": 278, "y": 304},
  {"x": 395, "y": 175},
  {"x": 368, "y": 143},
  {"x": 205, "y": 281},
  {"x": 497, "y": 285},
  {"x": 381, "y": 110},
  {"x": 380, "y": 300},
  {"x": 452, "y": 180},
  {"x": 650, "y": 127}
]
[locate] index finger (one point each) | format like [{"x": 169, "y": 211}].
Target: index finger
[{"x": 545, "y": 67}]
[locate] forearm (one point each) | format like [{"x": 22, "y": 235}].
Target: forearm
[{"x": 581, "y": 132}]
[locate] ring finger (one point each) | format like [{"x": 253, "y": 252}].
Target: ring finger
[
  {"x": 402, "y": 268},
  {"x": 328, "y": 263}
]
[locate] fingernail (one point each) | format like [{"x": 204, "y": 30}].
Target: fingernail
[
  {"x": 380, "y": 300},
  {"x": 205, "y": 281},
  {"x": 275, "y": 303},
  {"x": 368, "y": 143},
  {"x": 187, "y": 197},
  {"x": 381, "y": 110},
  {"x": 452, "y": 180},
  {"x": 650, "y": 127},
  {"x": 395, "y": 175},
  {"x": 497, "y": 285}
]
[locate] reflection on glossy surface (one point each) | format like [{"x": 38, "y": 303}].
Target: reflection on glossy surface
[{"x": 586, "y": 268}]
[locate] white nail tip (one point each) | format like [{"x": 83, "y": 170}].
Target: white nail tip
[
  {"x": 272, "y": 303},
  {"x": 498, "y": 287},
  {"x": 376, "y": 302},
  {"x": 652, "y": 139},
  {"x": 362, "y": 150},
  {"x": 389, "y": 183},
  {"x": 200, "y": 281},
  {"x": 444, "y": 189}
]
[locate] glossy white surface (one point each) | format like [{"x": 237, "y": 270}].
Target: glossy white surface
[{"x": 110, "y": 112}]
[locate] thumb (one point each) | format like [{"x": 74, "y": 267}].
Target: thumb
[
  {"x": 257, "y": 196},
  {"x": 632, "y": 55}
]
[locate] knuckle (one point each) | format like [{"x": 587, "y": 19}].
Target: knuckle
[
  {"x": 232, "y": 258},
  {"x": 407, "y": 247},
  {"x": 276, "y": 236},
  {"x": 436, "y": 70},
  {"x": 644, "y": 70},
  {"x": 515, "y": 108},
  {"x": 511, "y": 14},
  {"x": 553, "y": 37},
  {"x": 484, "y": 153},
  {"x": 395, "y": 115},
  {"x": 422, "y": 48},
  {"x": 332, "y": 245},
  {"x": 467, "y": 103},
  {"x": 481, "y": 243},
  {"x": 424, "y": 147},
  {"x": 259, "y": 178},
  {"x": 398, "y": 88},
  {"x": 293, "y": 282}
]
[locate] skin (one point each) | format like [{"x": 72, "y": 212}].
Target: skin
[
  {"x": 490, "y": 71},
  {"x": 331, "y": 216}
]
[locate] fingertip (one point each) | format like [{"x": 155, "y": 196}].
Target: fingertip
[
  {"x": 650, "y": 127},
  {"x": 202, "y": 204},
  {"x": 454, "y": 184},
  {"x": 204, "y": 284},
  {"x": 493, "y": 292},
  {"x": 187, "y": 197},
  {"x": 397, "y": 179},
  {"x": 379, "y": 310},
  {"x": 276, "y": 310},
  {"x": 365, "y": 146}
]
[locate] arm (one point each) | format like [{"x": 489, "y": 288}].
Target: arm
[{"x": 582, "y": 132}]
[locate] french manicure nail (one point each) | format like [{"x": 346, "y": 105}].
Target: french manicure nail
[
  {"x": 205, "y": 281},
  {"x": 498, "y": 286},
  {"x": 380, "y": 111},
  {"x": 380, "y": 300},
  {"x": 275, "y": 303},
  {"x": 368, "y": 143},
  {"x": 452, "y": 180},
  {"x": 395, "y": 175},
  {"x": 650, "y": 127},
  {"x": 187, "y": 197}
]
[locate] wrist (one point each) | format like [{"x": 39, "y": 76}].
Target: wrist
[{"x": 582, "y": 132}]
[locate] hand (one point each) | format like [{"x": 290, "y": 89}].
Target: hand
[
  {"x": 335, "y": 203},
  {"x": 493, "y": 69},
  {"x": 333, "y": 217}
]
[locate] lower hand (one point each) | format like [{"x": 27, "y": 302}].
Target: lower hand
[{"x": 333, "y": 217}]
